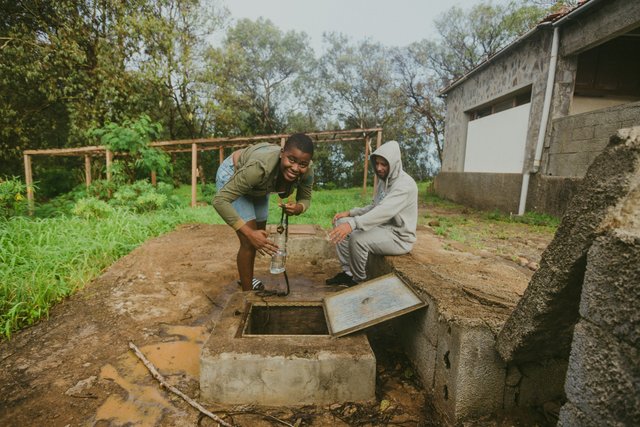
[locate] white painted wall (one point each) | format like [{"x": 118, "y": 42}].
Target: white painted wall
[{"x": 496, "y": 143}]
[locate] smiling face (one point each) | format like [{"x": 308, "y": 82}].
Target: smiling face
[
  {"x": 294, "y": 163},
  {"x": 381, "y": 167}
]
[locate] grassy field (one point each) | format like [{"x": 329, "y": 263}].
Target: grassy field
[{"x": 43, "y": 260}]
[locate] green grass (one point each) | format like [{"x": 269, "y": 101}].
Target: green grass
[{"x": 43, "y": 260}]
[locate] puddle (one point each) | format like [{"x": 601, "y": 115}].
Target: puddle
[{"x": 177, "y": 360}]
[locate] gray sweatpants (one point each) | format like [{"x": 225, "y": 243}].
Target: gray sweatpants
[{"x": 355, "y": 249}]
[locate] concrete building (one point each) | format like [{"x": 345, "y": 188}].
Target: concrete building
[{"x": 523, "y": 127}]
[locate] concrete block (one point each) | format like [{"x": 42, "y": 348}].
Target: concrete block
[
  {"x": 541, "y": 325},
  {"x": 419, "y": 341},
  {"x": 603, "y": 380},
  {"x": 582, "y": 133},
  {"x": 570, "y": 416},
  {"x": 283, "y": 369},
  {"x": 612, "y": 285},
  {"x": 469, "y": 374},
  {"x": 542, "y": 382}
]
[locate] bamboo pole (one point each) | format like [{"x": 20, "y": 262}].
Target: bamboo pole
[
  {"x": 109, "y": 160},
  {"x": 366, "y": 165},
  {"x": 194, "y": 172},
  {"x": 28, "y": 179},
  {"x": 87, "y": 169},
  {"x": 378, "y": 144}
]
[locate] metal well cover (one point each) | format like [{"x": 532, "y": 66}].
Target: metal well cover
[{"x": 369, "y": 303}]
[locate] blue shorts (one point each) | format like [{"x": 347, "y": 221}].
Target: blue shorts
[{"x": 248, "y": 207}]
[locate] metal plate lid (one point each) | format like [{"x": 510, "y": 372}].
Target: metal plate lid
[{"x": 369, "y": 303}]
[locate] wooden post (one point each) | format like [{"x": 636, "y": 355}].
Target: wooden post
[
  {"x": 375, "y": 177},
  {"x": 282, "y": 141},
  {"x": 109, "y": 159},
  {"x": 87, "y": 169},
  {"x": 194, "y": 173},
  {"x": 221, "y": 155},
  {"x": 154, "y": 178},
  {"x": 366, "y": 165},
  {"x": 28, "y": 179}
]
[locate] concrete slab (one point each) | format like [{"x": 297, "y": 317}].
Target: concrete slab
[{"x": 274, "y": 370}]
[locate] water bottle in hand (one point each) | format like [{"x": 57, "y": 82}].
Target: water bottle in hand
[{"x": 280, "y": 257}]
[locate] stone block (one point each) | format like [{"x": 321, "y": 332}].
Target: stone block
[
  {"x": 611, "y": 289},
  {"x": 469, "y": 374},
  {"x": 283, "y": 369},
  {"x": 582, "y": 133},
  {"x": 541, "y": 382},
  {"x": 603, "y": 380},
  {"x": 570, "y": 416},
  {"x": 541, "y": 325}
]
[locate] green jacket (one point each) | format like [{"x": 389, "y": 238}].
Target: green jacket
[{"x": 256, "y": 174}]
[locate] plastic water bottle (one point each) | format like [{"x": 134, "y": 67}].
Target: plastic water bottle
[{"x": 279, "y": 259}]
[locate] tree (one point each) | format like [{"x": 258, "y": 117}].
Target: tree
[
  {"x": 466, "y": 39},
  {"x": 256, "y": 69},
  {"x": 420, "y": 89},
  {"x": 172, "y": 64}
]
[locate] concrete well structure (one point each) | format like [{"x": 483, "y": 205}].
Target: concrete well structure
[{"x": 297, "y": 364}]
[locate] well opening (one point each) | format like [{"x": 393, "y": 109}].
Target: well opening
[{"x": 281, "y": 319}]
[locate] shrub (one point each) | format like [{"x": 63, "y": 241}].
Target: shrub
[
  {"x": 150, "y": 202},
  {"x": 92, "y": 208},
  {"x": 13, "y": 200}
]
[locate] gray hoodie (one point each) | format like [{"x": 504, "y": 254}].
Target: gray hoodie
[{"x": 395, "y": 203}]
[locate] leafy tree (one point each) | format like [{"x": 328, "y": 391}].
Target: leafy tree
[
  {"x": 255, "y": 70},
  {"x": 132, "y": 138},
  {"x": 466, "y": 39}
]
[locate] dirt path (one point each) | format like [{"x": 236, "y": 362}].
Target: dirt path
[{"x": 75, "y": 368}]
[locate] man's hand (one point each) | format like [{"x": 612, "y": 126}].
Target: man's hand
[
  {"x": 339, "y": 215},
  {"x": 292, "y": 208},
  {"x": 260, "y": 240},
  {"x": 339, "y": 233}
]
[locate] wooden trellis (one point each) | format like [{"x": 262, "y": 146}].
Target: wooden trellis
[{"x": 204, "y": 144}]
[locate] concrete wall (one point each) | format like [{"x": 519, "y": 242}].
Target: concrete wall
[
  {"x": 486, "y": 191},
  {"x": 603, "y": 380},
  {"x": 577, "y": 140},
  {"x": 526, "y": 65},
  {"x": 551, "y": 194},
  {"x": 541, "y": 326},
  {"x": 606, "y": 20}
]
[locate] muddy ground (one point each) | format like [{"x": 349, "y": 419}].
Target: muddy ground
[{"x": 75, "y": 368}]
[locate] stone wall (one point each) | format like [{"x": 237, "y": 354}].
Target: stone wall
[
  {"x": 521, "y": 67},
  {"x": 486, "y": 191},
  {"x": 492, "y": 191},
  {"x": 604, "y": 366},
  {"x": 577, "y": 140},
  {"x": 605, "y": 21},
  {"x": 541, "y": 326}
]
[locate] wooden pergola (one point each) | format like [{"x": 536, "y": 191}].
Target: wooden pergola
[{"x": 204, "y": 144}]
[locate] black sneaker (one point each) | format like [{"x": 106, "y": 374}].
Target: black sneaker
[{"x": 341, "y": 278}]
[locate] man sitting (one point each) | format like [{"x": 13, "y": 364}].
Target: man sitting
[{"x": 385, "y": 227}]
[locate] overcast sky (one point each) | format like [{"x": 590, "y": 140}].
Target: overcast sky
[{"x": 390, "y": 22}]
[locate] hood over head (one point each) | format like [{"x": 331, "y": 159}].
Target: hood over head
[{"x": 390, "y": 151}]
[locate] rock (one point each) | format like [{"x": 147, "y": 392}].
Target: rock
[
  {"x": 533, "y": 266},
  {"x": 434, "y": 223},
  {"x": 81, "y": 386}
]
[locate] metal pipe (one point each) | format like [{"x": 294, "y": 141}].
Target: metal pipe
[{"x": 544, "y": 120}]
